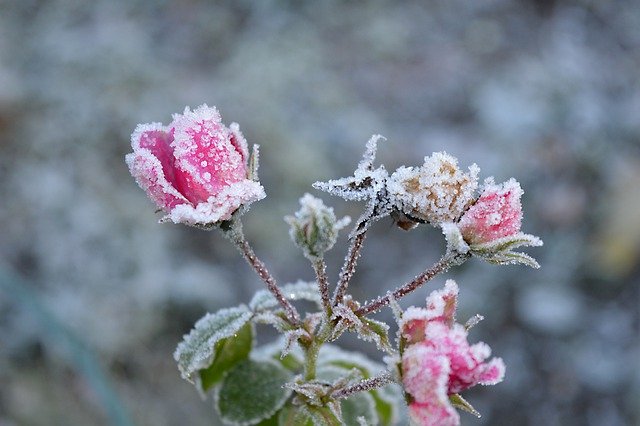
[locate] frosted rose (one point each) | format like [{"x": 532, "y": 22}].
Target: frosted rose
[
  {"x": 195, "y": 169},
  {"x": 441, "y": 365},
  {"x": 496, "y": 214},
  {"x": 441, "y": 306},
  {"x": 438, "y": 360},
  {"x": 436, "y": 192}
]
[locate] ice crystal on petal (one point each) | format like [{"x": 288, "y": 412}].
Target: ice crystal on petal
[
  {"x": 195, "y": 169},
  {"x": 438, "y": 362},
  {"x": 436, "y": 192},
  {"x": 496, "y": 214}
]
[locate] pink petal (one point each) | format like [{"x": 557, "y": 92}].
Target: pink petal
[
  {"x": 433, "y": 414},
  {"x": 148, "y": 172},
  {"x": 207, "y": 159},
  {"x": 496, "y": 214}
]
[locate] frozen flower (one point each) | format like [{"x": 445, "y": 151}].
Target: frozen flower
[
  {"x": 195, "y": 169},
  {"x": 438, "y": 362},
  {"x": 496, "y": 214},
  {"x": 441, "y": 306},
  {"x": 314, "y": 228},
  {"x": 436, "y": 192},
  {"x": 490, "y": 228}
]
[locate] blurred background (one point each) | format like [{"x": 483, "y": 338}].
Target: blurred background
[{"x": 95, "y": 294}]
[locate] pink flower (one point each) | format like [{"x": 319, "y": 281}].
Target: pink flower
[
  {"x": 439, "y": 362},
  {"x": 195, "y": 169},
  {"x": 496, "y": 214},
  {"x": 441, "y": 306}
]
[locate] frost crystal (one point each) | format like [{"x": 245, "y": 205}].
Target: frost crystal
[
  {"x": 195, "y": 169},
  {"x": 496, "y": 214},
  {"x": 366, "y": 181},
  {"x": 436, "y": 192}
]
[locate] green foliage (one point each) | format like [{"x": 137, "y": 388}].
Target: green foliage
[
  {"x": 251, "y": 392},
  {"x": 228, "y": 353},
  {"x": 198, "y": 349}
]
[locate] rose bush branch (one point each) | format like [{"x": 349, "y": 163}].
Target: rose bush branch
[
  {"x": 233, "y": 231},
  {"x": 443, "y": 265},
  {"x": 199, "y": 172}
]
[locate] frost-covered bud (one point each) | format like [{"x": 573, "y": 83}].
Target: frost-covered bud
[
  {"x": 436, "y": 192},
  {"x": 496, "y": 214},
  {"x": 195, "y": 169},
  {"x": 314, "y": 228}
]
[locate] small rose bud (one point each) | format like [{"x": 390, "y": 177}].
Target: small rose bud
[
  {"x": 436, "y": 192},
  {"x": 496, "y": 214},
  {"x": 195, "y": 169},
  {"x": 314, "y": 228}
]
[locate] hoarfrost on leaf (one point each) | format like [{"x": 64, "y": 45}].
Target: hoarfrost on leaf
[
  {"x": 197, "y": 350},
  {"x": 301, "y": 290}
]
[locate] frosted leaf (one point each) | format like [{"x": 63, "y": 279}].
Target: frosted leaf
[
  {"x": 377, "y": 332},
  {"x": 251, "y": 392},
  {"x": 360, "y": 405},
  {"x": 291, "y": 339},
  {"x": 473, "y": 321},
  {"x": 459, "y": 402},
  {"x": 312, "y": 391},
  {"x": 196, "y": 351},
  {"x": 300, "y": 290},
  {"x": 500, "y": 251}
]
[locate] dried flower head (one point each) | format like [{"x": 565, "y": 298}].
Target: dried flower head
[
  {"x": 195, "y": 169},
  {"x": 436, "y": 192}
]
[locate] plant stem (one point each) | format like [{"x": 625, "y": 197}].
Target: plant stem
[
  {"x": 447, "y": 261},
  {"x": 364, "y": 385},
  {"x": 235, "y": 234},
  {"x": 320, "y": 268},
  {"x": 350, "y": 262}
]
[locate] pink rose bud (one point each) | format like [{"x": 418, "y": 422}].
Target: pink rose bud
[
  {"x": 496, "y": 214},
  {"x": 195, "y": 169}
]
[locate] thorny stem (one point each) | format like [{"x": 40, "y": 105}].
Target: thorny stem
[
  {"x": 364, "y": 385},
  {"x": 235, "y": 234},
  {"x": 323, "y": 284},
  {"x": 448, "y": 260},
  {"x": 350, "y": 261}
]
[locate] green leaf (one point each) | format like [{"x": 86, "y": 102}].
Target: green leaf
[
  {"x": 307, "y": 415},
  {"x": 229, "y": 352},
  {"x": 198, "y": 349},
  {"x": 461, "y": 403},
  {"x": 376, "y": 331},
  {"x": 359, "y": 405},
  {"x": 251, "y": 392}
]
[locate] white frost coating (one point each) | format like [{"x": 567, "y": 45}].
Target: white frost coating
[
  {"x": 239, "y": 137},
  {"x": 366, "y": 182},
  {"x": 143, "y": 128},
  {"x": 220, "y": 206},
  {"x": 455, "y": 241},
  {"x": 197, "y": 349},
  {"x": 300, "y": 290},
  {"x": 436, "y": 192},
  {"x": 147, "y": 170}
]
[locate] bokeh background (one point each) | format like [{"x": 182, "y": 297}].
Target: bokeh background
[{"x": 95, "y": 294}]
